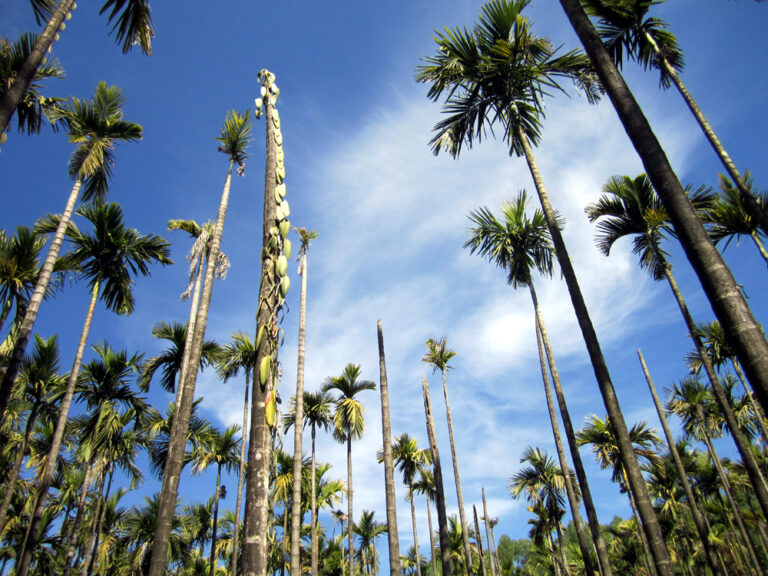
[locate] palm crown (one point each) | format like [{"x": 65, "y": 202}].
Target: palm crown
[
  {"x": 438, "y": 354},
  {"x": 349, "y": 417}
]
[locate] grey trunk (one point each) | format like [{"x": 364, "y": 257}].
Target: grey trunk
[
  {"x": 193, "y": 310},
  {"x": 240, "y": 478},
  {"x": 479, "y": 540}
]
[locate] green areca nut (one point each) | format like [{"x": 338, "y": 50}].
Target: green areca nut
[
  {"x": 264, "y": 368},
  {"x": 285, "y": 227},
  {"x": 287, "y": 248},
  {"x": 285, "y": 285},
  {"x": 281, "y": 265}
]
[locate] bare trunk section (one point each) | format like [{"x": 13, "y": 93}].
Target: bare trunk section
[
  {"x": 350, "y": 509},
  {"x": 191, "y": 323},
  {"x": 442, "y": 519},
  {"x": 240, "y": 479},
  {"x": 636, "y": 482},
  {"x": 479, "y": 540},
  {"x": 72, "y": 544},
  {"x": 95, "y": 522},
  {"x": 415, "y": 532},
  {"x": 212, "y": 561},
  {"x": 431, "y": 540},
  {"x": 178, "y": 437},
  {"x": 488, "y": 535},
  {"x": 314, "y": 543},
  {"x": 46, "y": 478},
  {"x": 25, "y": 332},
  {"x": 389, "y": 475}
]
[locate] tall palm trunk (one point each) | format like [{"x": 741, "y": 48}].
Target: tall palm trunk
[
  {"x": 99, "y": 526},
  {"x": 44, "y": 483},
  {"x": 178, "y": 436},
  {"x": 759, "y": 414},
  {"x": 573, "y": 501},
  {"x": 716, "y": 279},
  {"x": 488, "y": 535},
  {"x": 240, "y": 478},
  {"x": 750, "y": 464},
  {"x": 389, "y": 474},
  {"x": 313, "y": 504},
  {"x": 256, "y": 544},
  {"x": 647, "y": 555},
  {"x": 298, "y": 426},
  {"x": 212, "y": 562},
  {"x": 479, "y": 540},
  {"x": 286, "y": 537},
  {"x": 698, "y": 518},
  {"x": 431, "y": 540},
  {"x": 442, "y": 519},
  {"x": 191, "y": 323},
  {"x": 415, "y": 532},
  {"x": 561, "y": 549},
  {"x": 72, "y": 544},
  {"x": 29, "y": 68},
  {"x": 746, "y": 196},
  {"x": 457, "y": 478},
  {"x": 25, "y": 331},
  {"x": 636, "y": 482},
  {"x": 350, "y": 509},
  {"x": 95, "y": 527},
  {"x": 581, "y": 475},
  {"x": 11, "y": 485}
]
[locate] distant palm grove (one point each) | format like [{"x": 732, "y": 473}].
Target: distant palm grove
[{"x": 76, "y": 423}]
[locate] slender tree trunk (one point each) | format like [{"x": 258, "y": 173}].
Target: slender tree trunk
[
  {"x": 179, "y": 430},
  {"x": 647, "y": 555},
  {"x": 442, "y": 519},
  {"x": 72, "y": 544},
  {"x": 284, "y": 543},
  {"x": 256, "y": 544},
  {"x": 26, "y": 73},
  {"x": 488, "y": 535},
  {"x": 457, "y": 478},
  {"x": 240, "y": 478},
  {"x": 25, "y": 332},
  {"x": 698, "y": 517},
  {"x": 759, "y": 414},
  {"x": 389, "y": 475},
  {"x": 479, "y": 540},
  {"x": 313, "y": 504},
  {"x": 191, "y": 323},
  {"x": 11, "y": 485},
  {"x": 495, "y": 551},
  {"x": 298, "y": 427},
  {"x": 100, "y": 525},
  {"x": 415, "y": 532},
  {"x": 43, "y": 485},
  {"x": 561, "y": 549},
  {"x": 753, "y": 208},
  {"x": 750, "y": 464},
  {"x": 212, "y": 562},
  {"x": 636, "y": 482},
  {"x": 718, "y": 283},
  {"x": 97, "y": 512},
  {"x": 573, "y": 501},
  {"x": 431, "y": 540},
  {"x": 350, "y": 516}
]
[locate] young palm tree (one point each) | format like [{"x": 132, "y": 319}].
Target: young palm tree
[
  {"x": 438, "y": 355},
  {"x": 499, "y": 73},
  {"x": 368, "y": 529},
  {"x": 518, "y": 244},
  {"x": 221, "y": 449},
  {"x": 716, "y": 279},
  {"x": 132, "y": 24},
  {"x": 240, "y": 354},
  {"x": 389, "y": 474},
  {"x": 107, "y": 259},
  {"x": 632, "y": 207},
  {"x": 234, "y": 139},
  {"x": 96, "y": 126},
  {"x": 306, "y": 237},
  {"x": 349, "y": 425}
]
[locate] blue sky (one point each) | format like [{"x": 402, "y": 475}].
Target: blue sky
[{"x": 392, "y": 218}]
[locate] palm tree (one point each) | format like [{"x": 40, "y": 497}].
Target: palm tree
[
  {"x": 499, "y": 73},
  {"x": 132, "y": 24},
  {"x": 368, "y": 529},
  {"x": 716, "y": 279},
  {"x": 317, "y": 414},
  {"x": 240, "y": 354},
  {"x": 632, "y": 207},
  {"x": 306, "y": 237},
  {"x": 96, "y": 126},
  {"x": 438, "y": 355},
  {"x": 234, "y": 139},
  {"x": 107, "y": 259},
  {"x": 518, "y": 245},
  {"x": 426, "y": 485},
  {"x": 221, "y": 449},
  {"x": 389, "y": 474},
  {"x": 349, "y": 425}
]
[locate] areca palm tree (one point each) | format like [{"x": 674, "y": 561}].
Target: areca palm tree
[
  {"x": 306, "y": 237},
  {"x": 349, "y": 425},
  {"x": 499, "y": 73},
  {"x": 632, "y": 207},
  {"x": 718, "y": 283},
  {"x": 518, "y": 245},
  {"x": 159, "y": 428},
  {"x": 132, "y": 25},
  {"x": 368, "y": 529},
  {"x": 221, "y": 449},
  {"x": 107, "y": 259},
  {"x": 426, "y": 485},
  {"x": 96, "y": 126},
  {"x": 438, "y": 355},
  {"x": 240, "y": 354},
  {"x": 234, "y": 139}
]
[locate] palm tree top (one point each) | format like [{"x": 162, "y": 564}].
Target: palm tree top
[
  {"x": 349, "y": 416},
  {"x": 438, "y": 354},
  {"x": 306, "y": 236},
  {"x": 727, "y": 215},
  {"x": 235, "y": 136}
]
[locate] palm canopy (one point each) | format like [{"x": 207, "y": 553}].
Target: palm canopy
[
  {"x": 203, "y": 236},
  {"x": 716, "y": 345},
  {"x": 39, "y": 377},
  {"x": 112, "y": 254},
  {"x": 349, "y": 416},
  {"x": 517, "y": 244},
  {"x": 625, "y": 28},
  {"x": 438, "y": 354},
  {"x": 729, "y": 217},
  {"x": 408, "y": 457},
  {"x": 542, "y": 481},
  {"x": 110, "y": 378},
  {"x": 498, "y": 72},
  {"x": 95, "y": 126},
  {"x": 317, "y": 411},
  {"x": 217, "y": 448},
  {"x": 693, "y": 402},
  {"x": 239, "y": 354},
  {"x": 234, "y": 138}
]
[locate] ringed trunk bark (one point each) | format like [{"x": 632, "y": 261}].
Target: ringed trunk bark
[
  {"x": 350, "y": 516},
  {"x": 193, "y": 310},
  {"x": 479, "y": 540},
  {"x": 212, "y": 561},
  {"x": 415, "y": 532},
  {"x": 240, "y": 478},
  {"x": 313, "y": 528},
  {"x": 431, "y": 540},
  {"x": 72, "y": 544},
  {"x": 488, "y": 535}
]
